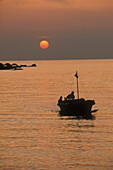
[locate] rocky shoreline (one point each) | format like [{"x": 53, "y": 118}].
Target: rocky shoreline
[{"x": 14, "y": 66}]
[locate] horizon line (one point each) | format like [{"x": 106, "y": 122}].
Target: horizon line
[{"x": 60, "y": 59}]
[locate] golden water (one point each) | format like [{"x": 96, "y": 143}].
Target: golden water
[{"x": 34, "y": 136}]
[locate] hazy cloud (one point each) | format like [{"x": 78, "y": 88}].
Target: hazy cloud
[
  {"x": 78, "y": 4},
  {"x": 13, "y": 2},
  {"x": 59, "y": 1},
  {"x": 45, "y": 37}
]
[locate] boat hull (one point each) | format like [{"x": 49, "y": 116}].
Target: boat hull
[{"x": 78, "y": 107}]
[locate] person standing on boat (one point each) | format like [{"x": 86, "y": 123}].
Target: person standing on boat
[
  {"x": 60, "y": 100},
  {"x": 71, "y": 96}
]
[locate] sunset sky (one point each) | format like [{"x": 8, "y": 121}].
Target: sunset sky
[{"x": 75, "y": 29}]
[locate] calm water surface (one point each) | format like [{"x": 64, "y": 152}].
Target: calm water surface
[{"x": 34, "y": 136}]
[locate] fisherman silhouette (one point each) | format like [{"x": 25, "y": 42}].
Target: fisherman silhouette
[
  {"x": 71, "y": 96},
  {"x": 60, "y": 100}
]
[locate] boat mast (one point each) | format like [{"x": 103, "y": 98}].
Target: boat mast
[{"x": 76, "y": 75}]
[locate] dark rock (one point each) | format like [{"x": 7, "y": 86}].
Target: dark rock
[
  {"x": 23, "y": 65},
  {"x": 1, "y": 66},
  {"x": 7, "y": 66},
  {"x": 33, "y": 65}
]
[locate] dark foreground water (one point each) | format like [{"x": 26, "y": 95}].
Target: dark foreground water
[{"x": 34, "y": 136}]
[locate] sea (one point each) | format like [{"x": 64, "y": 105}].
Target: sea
[{"x": 32, "y": 133}]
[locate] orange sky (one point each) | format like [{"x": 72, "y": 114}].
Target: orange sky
[
  {"x": 81, "y": 4},
  {"x": 65, "y": 21}
]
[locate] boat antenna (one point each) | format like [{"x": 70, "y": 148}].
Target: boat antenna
[{"x": 76, "y": 75}]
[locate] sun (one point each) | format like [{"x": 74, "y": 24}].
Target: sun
[{"x": 44, "y": 44}]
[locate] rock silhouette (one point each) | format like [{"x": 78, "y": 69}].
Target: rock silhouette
[{"x": 14, "y": 66}]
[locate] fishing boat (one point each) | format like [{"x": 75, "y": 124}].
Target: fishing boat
[{"x": 79, "y": 107}]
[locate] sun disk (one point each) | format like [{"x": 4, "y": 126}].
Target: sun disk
[{"x": 44, "y": 44}]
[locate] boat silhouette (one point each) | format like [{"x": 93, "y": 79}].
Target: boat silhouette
[{"x": 79, "y": 107}]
